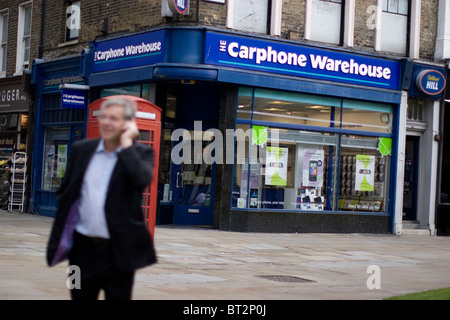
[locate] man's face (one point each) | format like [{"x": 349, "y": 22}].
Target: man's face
[{"x": 112, "y": 122}]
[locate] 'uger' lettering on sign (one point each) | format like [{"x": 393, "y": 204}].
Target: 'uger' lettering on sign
[{"x": 10, "y": 95}]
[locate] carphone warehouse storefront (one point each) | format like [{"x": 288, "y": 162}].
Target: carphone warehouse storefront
[{"x": 262, "y": 134}]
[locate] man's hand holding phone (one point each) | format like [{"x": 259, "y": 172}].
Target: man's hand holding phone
[{"x": 130, "y": 132}]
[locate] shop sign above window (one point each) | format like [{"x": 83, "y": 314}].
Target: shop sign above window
[
  {"x": 130, "y": 51},
  {"x": 302, "y": 61},
  {"x": 430, "y": 82},
  {"x": 13, "y": 98}
]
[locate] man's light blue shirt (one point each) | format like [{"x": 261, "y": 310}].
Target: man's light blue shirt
[{"x": 92, "y": 220}]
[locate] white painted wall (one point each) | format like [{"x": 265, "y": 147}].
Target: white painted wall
[
  {"x": 427, "y": 191},
  {"x": 398, "y": 212}
]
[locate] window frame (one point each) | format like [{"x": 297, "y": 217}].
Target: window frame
[
  {"x": 21, "y": 63},
  {"x": 4, "y": 14},
  {"x": 342, "y": 135},
  {"x": 47, "y": 180},
  {"x": 346, "y": 33},
  {"x": 67, "y": 33},
  {"x": 409, "y": 42},
  {"x": 274, "y": 12}
]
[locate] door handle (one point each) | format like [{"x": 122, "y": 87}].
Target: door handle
[{"x": 177, "y": 184}]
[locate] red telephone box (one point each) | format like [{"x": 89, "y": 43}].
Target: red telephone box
[{"x": 148, "y": 119}]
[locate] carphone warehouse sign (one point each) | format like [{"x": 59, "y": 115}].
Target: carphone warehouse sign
[
  {"x": 297, "y": 60},
  {"x": 131, "y": 51},
  {"x": 72, "y": 98}
]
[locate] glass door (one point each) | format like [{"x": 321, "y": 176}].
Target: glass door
[
  {"x": 193, "y": 189},
  {"x": 410, "y": 186}
]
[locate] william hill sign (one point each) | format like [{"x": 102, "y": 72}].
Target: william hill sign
[{"x": 430, "y": 82}]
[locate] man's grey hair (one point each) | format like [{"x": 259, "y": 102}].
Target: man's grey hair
[{"x": 128, "y": 105}]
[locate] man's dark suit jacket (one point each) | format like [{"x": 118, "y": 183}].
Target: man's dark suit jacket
[{"x": 131, "y": 241}]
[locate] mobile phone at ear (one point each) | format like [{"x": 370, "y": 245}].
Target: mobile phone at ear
[{"x": 126, "y": 126}]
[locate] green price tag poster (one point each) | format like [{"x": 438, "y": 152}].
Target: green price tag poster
[
  {"x": 276, "y": 166},
  {"x": 62, "y": 160},
  {"x": 365, "y": 172}
]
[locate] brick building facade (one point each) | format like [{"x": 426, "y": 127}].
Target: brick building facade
[{"x": 100, "y": 19}]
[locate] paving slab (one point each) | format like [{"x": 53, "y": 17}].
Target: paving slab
[{"x": 207, "y": 264}]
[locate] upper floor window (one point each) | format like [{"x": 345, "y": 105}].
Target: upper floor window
[
  {"x": 3, "y": 42},
  {"x": 394, "y": 26},
  {"x": 249, "y": 15},
  {"x": 24, "y": 37},
  {"x": 73, "y": 17},
  {"x": 325, "y": 19}
]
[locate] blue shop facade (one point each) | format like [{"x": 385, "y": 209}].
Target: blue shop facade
[{"x": 258, "y": 135}]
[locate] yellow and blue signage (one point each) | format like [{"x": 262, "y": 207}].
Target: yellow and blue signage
[{"x": 297, "y": 60}]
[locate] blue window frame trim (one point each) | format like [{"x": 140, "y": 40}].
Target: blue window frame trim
[
  {"x": 312, "y": 128},
  {"x": 370, "y": 213},
  {"x": 340, "y": 132}
]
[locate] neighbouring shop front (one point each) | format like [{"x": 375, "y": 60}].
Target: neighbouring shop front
[
  {"x": 14, "y": 125},
  {"x": 258, "y": 134},
  {"x": 57, "y": 127},
  {"x": 423, "y": 130}
]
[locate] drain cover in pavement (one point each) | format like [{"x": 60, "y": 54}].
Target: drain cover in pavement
[{"x": 281, "y": 278}]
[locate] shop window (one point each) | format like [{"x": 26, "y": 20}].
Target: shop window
[
  {"x": 248, "y": 15},
  {"x": 4, "y": 41},
  {"x": 363, "y": 175},
  {"x": 8, "y": 121},
  {"x": 245, "y": 103},
  {"x": 312, "y": 163},
  {"x": 56, "y": 142},
  {"x": 54, "y": 113},
  {"x": 290, "y": 170},
  {"x": 415, "y": 110},
  {"x": 292, "y": 108},
  {"x": 325, "y": 21},
  {"x": 165, "y": 162},
  {"x": 23, "y": 133},
  {"x": 73, "y": 16},
  {"x": 24, "y": 37},
  {"x": 394, "y": 26},
  {"x": 362, "y": 116},
  {"x": 315, "y": 111},
  {"x": 7, "y": 144},
  {"x": 138, "y": 90},
  {"x": 24, "y": 121}
]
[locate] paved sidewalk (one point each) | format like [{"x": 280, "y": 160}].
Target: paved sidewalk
[{"x": 198, "y": 263}]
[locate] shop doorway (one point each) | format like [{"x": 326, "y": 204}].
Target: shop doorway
[
  {"x": 193, "y": 191},
  {"x": 188, "y": 186},
  {"x": 410, "y": 186}
]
